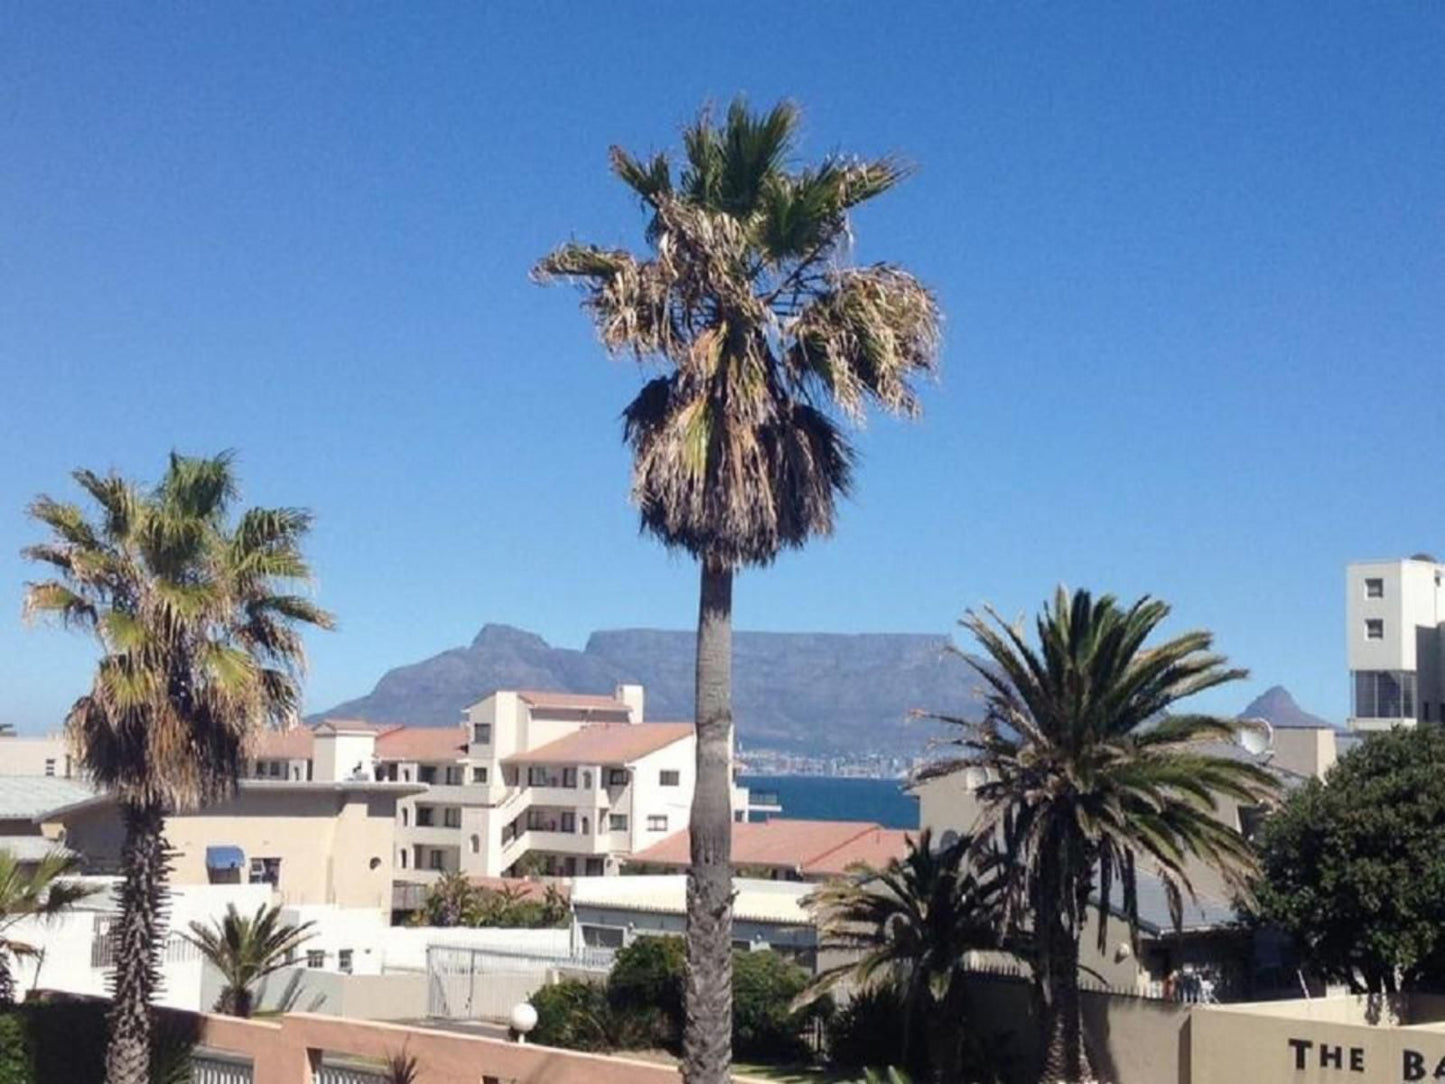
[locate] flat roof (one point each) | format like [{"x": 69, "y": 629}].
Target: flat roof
[
  {"x": 810, "y": 848},
  {"x": 606, "y": 743},
  {"x": 544, "y": 699},
  {"x": 263, "y": 786},
  {"x": 26, "y": 797}
]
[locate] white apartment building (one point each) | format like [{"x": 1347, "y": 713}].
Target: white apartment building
[
  {"x": 1395, "y": 619},
  {"x": 558, "y": 783}
]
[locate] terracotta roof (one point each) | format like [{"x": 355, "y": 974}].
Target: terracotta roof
[
  {"x": 808, "y": 848},
  {"x": 526, "y": 888},
  {"x": 606, "y": 743},
  {"x": 293, "y": 744},
  {"x": 540, "y": 698},
  {"x": 422, "y": 743}
]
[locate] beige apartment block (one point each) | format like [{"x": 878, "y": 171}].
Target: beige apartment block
[
  {"x": 313, "y": 843},
  {"x": 562, "y": 783},
  {"x": 36, "y": 755}
]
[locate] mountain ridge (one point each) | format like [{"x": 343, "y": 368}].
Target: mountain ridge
[{"x": 815, "y": 693}]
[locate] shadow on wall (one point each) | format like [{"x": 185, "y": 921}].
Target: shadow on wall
[{"x": 1130, "y": 1040}]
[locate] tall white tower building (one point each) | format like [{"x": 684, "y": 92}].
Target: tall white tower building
[{"x": 1396, "y": 635}]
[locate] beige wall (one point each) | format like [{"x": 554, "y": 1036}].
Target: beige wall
[
  {"x": 326, "y": 839},
  {"x": 27, "y": 756}
]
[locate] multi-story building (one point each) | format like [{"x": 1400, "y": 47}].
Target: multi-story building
[
  {"x": 559, "y": 783},
  {"x": 1395, "y": 617}
]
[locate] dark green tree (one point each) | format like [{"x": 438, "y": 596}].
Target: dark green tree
[{"x": 1354, "y": 867}]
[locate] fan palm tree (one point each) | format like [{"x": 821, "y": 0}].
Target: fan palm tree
[
  {"x": 1088, "y": 777},
  {"x": 912, "y": 923},
  {"x": 246, "y": 950},
  {"x": 200, "y": 649},
  {"x": 767, "y": 341},
  {"x": 31, "y": 890}
]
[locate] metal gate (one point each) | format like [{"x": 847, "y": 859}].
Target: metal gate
[{"x": 209, "y": 1067}]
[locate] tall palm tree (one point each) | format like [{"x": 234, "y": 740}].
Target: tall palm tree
[
  {"x": 197, "y": 624},
  {"x": 1089, "y": 776},
  {"x": 32, "y": 890},
  {"x": 246, "y": 950},
  {"x": 912, "y": 923},
  {"x": 767, "y": 341}
]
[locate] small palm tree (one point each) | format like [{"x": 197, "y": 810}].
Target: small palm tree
[
  {"x": 196, "y": 618},
  {"x": 28, "y": 890},
  {"x": 246, "y": 950},
  {"x": 1089, "y": 777},
  {"x": 913, "y": 923},
  {"x": 768, "y": 340}
]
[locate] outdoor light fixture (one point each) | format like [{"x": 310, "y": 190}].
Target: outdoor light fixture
[{"x": 523, "y": 1019}]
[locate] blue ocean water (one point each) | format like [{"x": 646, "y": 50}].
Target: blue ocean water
[{"x": 825, "y": 798}]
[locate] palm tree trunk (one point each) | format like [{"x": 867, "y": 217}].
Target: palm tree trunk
[
  {"x": 138, "y": 940},
  {"x": 707, "y": 1036},
  {"x": 1057, "y": 986},
  {"x": 7, "y": 980}
]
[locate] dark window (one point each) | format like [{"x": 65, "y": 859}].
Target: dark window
[
  {"x": 426, "y": 774},
  {"x": 452, "y": 817},
  {"x": 657, "y": 823},
  {"x": 49, "y": 766},
  {"x": 617, "y": 777},
  {"x": 479, "y": 775},
  {"x": 482, "y": 733},
  {"x": 1374, "y": 628},
  {"x": 1384, "y": 694},
  {"x": 602, "y": 936},
  {"x": 669, "y": 779},
  {"x": 617, "y": 822},
  {"x": 1374, "y": 588},
  {"x": 343, "y": 960},
  {"x": 569, "y": 777},
  {"x": 437, "y": 860},
  {"x": 315, "y": 959}
]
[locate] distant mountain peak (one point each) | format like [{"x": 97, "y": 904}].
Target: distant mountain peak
[
  {"x": 1279, "y": 709},
  {"x": 495, "y": 635}
]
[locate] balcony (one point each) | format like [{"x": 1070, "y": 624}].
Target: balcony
[{"x": 435, "y": 835}]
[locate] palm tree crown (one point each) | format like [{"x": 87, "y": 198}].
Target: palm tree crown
[
  {"x": 31, "y": 891},
  {"x": 766, "y": 337},
  {"x": 1088, "y": 774},
  {"x": 198, "y": 632},
  {"x": 246, "y": 950}
]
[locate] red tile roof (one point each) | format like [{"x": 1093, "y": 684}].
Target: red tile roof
[
  {"x": 808, "y": 848},
  {"x": 422, "y": 743},
  {"x": 540, "y": 698},
  {"x": 524, "y": 887},
  {"x": 606, "y": 743},
  {"x": 292, "y": 744}
]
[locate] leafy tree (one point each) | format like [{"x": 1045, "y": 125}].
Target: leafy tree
[
  {"x": 196, "y": 620},
  {"x": 35, "y": 890},
  {"x": 650, "y": 974},
  {"x": 1354, "y": 867},
  {"x": 768, "y": 341},
  {"x": 455, "y": 900},
  {"x": 1088, "y": 776},
  {"x": 574, "y": 1014},
  {"x": 246, "y": 950},
  {"x": 767, "y": 1024},
  {"x": 910, "y": 925}
]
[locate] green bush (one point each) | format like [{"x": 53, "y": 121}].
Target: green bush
[
  {"x": 15, "y": 1054},
  {"x": 764, "y": 1026},
  {"x": 573, "y": 1014},
  {"x": 868, "y": 1030},
  {"x": 649, "y": 977}
]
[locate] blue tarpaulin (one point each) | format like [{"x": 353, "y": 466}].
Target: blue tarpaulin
[{"x": 225, "y": 858}]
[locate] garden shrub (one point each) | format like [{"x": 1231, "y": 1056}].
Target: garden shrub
[
  {"x": 765, "y": 1028},
  {"x": 573, "y": 1014},
  {"x": 868, "y": 1030},
  {"x": 15, "y": 1056},
  {"x": 649, "y": 976}
]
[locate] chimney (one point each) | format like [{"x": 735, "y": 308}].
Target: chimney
[{"x": 633, "y": 697}]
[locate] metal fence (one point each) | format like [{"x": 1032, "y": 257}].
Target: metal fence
[
  {"x": 336, "y": 1072},
  {"x": 478, "y": 984},
  {"x": 213, "y": 1068}
]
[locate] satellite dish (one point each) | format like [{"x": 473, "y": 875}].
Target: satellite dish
[{"x": 1254, "y": 736}]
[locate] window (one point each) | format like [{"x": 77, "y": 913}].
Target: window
[
  {"x": 1384, "y": 694},
  {"x": 405, "y": 816},
  {"x": 482, "y": 733},
  {"x": 569, "y": 777},
  {"x": 266, "y": 871},
  {"x": 569, "y": 823},
  {"x": 476, "y": 842},
  {"x": 343, "y": 961},
  {"x": 669, "y": 779},
  {"x": 453, "y": 775},
  {"x": 1374, "y": 588},
  {"x": 438, "y": 861},
  {"x": 403, "y": 858},
  {"x": 617, "y": 822},
  {"x": 425, "y": 816},
  {"x": 1250, "y": 819},
  {"x": 617, "y": 777},
  {"x": 586, "y": 780},
  {"x": 49, "y": 765},
  {"x": 1374, "y": 628},
  {"x": 315, "y": 958},
  {"x": 602, "y": 936},
  {"x": 452, "y": 817},
  {"x": 406, "y": 775},
  {"x": 657, "y": 823},
  {"x": 427, "y": 773},
  {"x": 479, "y": 775},
  {"x": 595, "y": 867}
]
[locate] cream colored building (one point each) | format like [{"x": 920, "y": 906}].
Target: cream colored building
[
  {"x": 311, "y": 842},
  {"x": 566, "y": 783},
  {"x": 1395, "y": 623},
  {"x": 36, "y": 755}
]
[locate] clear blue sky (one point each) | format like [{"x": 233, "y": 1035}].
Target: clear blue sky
[{"x": 1192, "y": 259}]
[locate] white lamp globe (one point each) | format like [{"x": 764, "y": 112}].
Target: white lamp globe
[{"x": 524, "y": 1018}]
